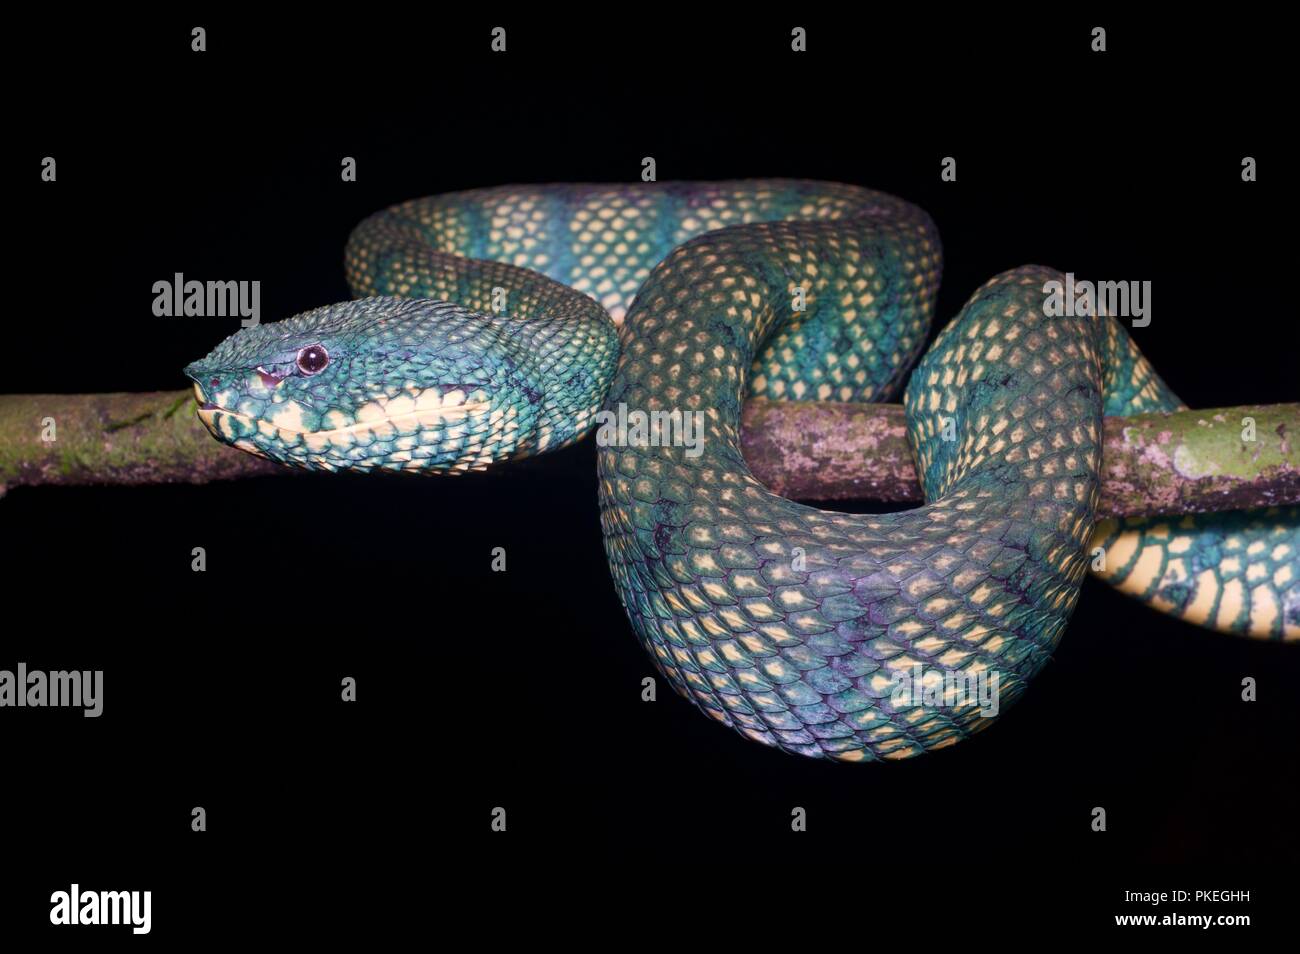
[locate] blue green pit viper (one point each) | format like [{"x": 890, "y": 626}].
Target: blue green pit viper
[{"x": 500, "y": 323}]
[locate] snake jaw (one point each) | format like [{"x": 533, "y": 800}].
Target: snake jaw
[{"x": 452, "y": 429}]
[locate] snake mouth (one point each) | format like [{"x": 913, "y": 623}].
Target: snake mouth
[
  {"x": 210, "y": 414},
  {"x": 207, "y": 410},
  {"x": 424, "y": 418},
  {"x": 426, "y": 410},
  {"x": 202, "y": 401}
]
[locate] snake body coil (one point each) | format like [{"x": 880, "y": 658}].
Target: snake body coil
[{"x": 794, "y": 625}]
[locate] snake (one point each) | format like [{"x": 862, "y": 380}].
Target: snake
[{"x": 499, "y": 323}]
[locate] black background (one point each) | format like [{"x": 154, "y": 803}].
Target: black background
[{"x": 522, "y": 689}]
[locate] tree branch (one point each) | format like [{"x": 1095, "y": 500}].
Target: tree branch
[
  {"x": 1180, "y": 462},
  {"x": 1174, "y": 462}
]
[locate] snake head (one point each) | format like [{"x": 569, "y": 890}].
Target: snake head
[{"x": 379, "y": 383}]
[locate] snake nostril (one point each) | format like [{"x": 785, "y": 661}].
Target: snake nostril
[{"x": 215, "y": 382}]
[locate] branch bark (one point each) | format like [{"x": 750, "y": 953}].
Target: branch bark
[
  {"x": 1163, "y": 463},
  {"x": 1179, "y": 462},
  {"x": 153, "y": 437}
]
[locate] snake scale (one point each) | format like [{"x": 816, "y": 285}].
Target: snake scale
[{"x": 498, "y": 323}]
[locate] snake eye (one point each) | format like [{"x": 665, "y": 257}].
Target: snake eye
[{"x": 313, "y": 359}]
